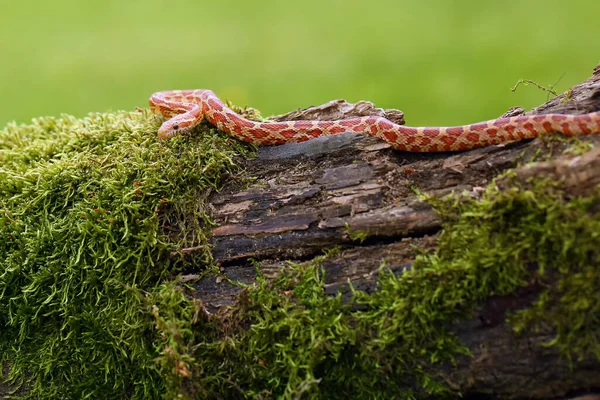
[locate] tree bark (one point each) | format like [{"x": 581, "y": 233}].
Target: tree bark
[
  {"x": 307, "y": 197},
  {"x": 310, "y": 196}
]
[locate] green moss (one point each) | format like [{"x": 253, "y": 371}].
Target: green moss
[
  {"x": 578, "y": 147},
  {"x": 533, "y": 234},
  {"x": 90, "y": 210},
  {"x": 359, "y": 236},
  {"x": 288, "y": 338}
]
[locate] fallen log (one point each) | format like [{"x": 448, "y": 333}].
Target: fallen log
[
  {"x": 354, "y": 192},
  {"x": 383, "y": 218}
]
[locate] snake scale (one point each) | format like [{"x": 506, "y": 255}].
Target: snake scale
[{"x": 187, "y": 108}]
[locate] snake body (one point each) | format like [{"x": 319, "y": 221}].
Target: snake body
[{"x": 188, "y": 108}]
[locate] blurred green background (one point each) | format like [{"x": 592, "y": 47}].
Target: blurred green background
[{"x": 442, "y": 62}]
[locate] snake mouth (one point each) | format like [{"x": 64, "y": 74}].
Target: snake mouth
[
  {"x": 171, "y": 129},
  {"x": 166, "y": 132}
]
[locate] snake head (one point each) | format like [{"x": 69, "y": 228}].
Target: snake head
[{"x": 175, "y": 126}]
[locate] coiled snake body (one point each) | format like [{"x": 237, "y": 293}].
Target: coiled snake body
[{"x": 187, "y": 108}]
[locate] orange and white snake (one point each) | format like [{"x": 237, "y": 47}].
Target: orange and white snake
[{"x": 187, "y": 108}]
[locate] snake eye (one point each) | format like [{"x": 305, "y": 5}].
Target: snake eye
[{"x": 175, "y": 126}]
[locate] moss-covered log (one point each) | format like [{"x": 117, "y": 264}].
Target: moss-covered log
[
  {"x": 356, "y": 193},
  {"x": 335, "y": 268}
]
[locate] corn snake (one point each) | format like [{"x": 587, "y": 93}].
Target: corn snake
[{"x": 187, "y": 108}]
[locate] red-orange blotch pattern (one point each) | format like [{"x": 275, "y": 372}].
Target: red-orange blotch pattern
[{"x": 196, "y": 105}]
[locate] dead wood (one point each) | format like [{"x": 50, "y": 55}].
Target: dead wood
[{"x": 308, "y": 197}]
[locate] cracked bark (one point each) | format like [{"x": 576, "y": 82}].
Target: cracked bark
[{"x": 307, "y": 195}]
